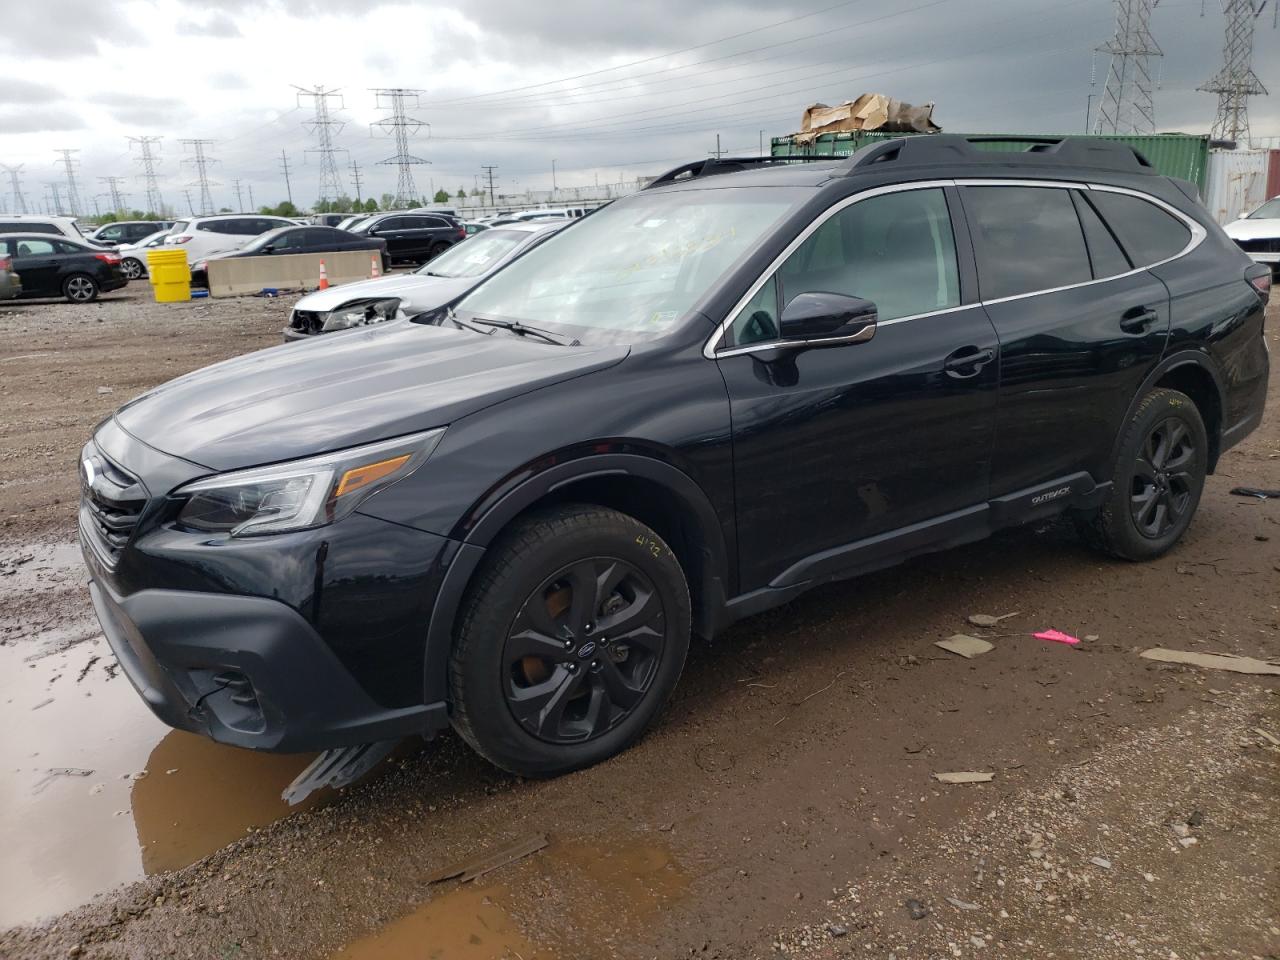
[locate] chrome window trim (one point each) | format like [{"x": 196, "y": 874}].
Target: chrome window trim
[{"x": 1198, "y": 235}]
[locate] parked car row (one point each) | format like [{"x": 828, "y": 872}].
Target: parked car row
[
  {"x": 291, "y": 240},
  {"x": 56, "y": 266}
]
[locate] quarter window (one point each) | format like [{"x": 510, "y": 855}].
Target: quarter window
[
  {"x": 1147, "y": 233},
  {"x": 1026, "y": 239},
  {"x": 1105, "y": 254}
]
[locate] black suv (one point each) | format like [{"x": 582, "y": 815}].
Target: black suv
[
  {"x": 415, "y": 237},
  {"x": 751, "y": 378}
]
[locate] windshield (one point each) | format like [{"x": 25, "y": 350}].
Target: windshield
[
  {"x": 260, "y": 241},
  {"x": 1268, "y": 211},
  {"x": 632, "y": 270},
  {"x": 475, "y": 256}
]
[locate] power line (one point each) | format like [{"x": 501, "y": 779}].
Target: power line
[
  {"x": 252, "y": 205},
  {"x": 401, "y": 127},
  {"x": 1126, "y": 104},
  {"x": 155, "y": 202},
  {"x": 73, "y": 193},
  {"x": 200, "y": 163},
  {"x": 239, "y": 199},
  {"x": 190, "y": 205},
  {"x": 52, "y": 189},
  {"x": 325, "y": 129},
  {"x": 1236, "y": 82},
  {"x": 284, "y": 164},
  {"x": 355, "y": 178},
  {"x": 19, "y": 200},
  {"x": 488, "y": 169},
  {"x": 113, "y": 188}
]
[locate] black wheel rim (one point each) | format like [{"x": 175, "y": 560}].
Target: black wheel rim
[
  {"x": 582, "y": 652},
  {"x": 1163, "y": 482},
  {"x": 80, "y": 288}
]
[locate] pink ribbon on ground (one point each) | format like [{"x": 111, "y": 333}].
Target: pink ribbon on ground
[{"x": 1057, "y": 636}]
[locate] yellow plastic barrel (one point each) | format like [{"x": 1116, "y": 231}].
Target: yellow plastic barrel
[{"x": 170, "y": 275}]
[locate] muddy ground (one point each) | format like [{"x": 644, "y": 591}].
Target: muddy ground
[{"x": 783, "y": 806}]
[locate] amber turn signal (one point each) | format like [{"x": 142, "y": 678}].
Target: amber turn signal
[{"x": 358, "y": 477}]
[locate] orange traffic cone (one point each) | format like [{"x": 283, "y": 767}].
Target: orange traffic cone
[
  {"x": 324, "y": 277},
  {"x": 375, "y": 272}
]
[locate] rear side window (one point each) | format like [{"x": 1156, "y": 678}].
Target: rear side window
[
  {"x": 32, "y": 248},
  {"x": 1026, "y": 239},
  {"x": 1104, "y": 252},
  {"x": 1147, "y": 233}
]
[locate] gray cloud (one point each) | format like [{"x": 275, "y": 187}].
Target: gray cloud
[
  {"x": 140, "y": 111},
  {"x": 75, "y": 29},
  {"x": 220, "y": 24},
  {"x": 39, "y": 120},
  {"x": 24, "y": 92},
  {"x": 228, "y": 81}
]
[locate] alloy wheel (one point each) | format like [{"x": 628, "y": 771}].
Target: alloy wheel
[
  {"x": 80, "y": 289},
  {"x": 583, "y": 650},
  {"x": 1163, "y": 485},
  {"x": 132, "y": 268}
]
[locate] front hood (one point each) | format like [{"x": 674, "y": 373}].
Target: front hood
[
  {"x": 345, "y": 389},
  {"x": 423, "y": 292},
  {"x": 1253, "y": 229}
]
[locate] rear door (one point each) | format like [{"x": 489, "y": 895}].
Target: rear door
[
  {"x": 37, "y": 261},
  {"x": 392, "y": 230},
  {"x": 1079, "y": 330}
]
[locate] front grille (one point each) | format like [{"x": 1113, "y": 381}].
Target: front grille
[
  {"x": 110, "y": 506},
  {"x": 306, "y": 321},
  {"x": 1264, "y": 245}
]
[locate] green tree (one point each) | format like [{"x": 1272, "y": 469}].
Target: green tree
[
  {"x": 387, "y": 202},
  {"x": 462, "y": 193},
  {"x": 442, "y": 196},
  {"x": 371, "y": 205},
  {"x": 282, "y": 209}
]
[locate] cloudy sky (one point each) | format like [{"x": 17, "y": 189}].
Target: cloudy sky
[{"x": 607, "y": 91}]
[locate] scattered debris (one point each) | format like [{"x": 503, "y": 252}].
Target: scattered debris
[
  {"x": 1256, "y": 492},
  {"x": 1180, "y": 829},
  {"x": 103, "y": 391},
  {"x": 1102, "y": 862},
  {"x": 916, "y": 909},
  {"x": 965, "y": 645},
  {"x": 43, "y": 703},
  {"x": 964, "y": 776},
  {"x": 1188, "y": 841},
  {"x": 1274, "y": 741},
  {"x": 336, "y": 768},
  {"x": 871, "y": 111},
  {"x": 478, "y": 867},
  {"x": 987, "y": 620},
  {"x": 1213, "y": 661},
  {"x": 1057, "y": 636},
  {"x": 961, "y": 904},
  {"x": 836, "y": 930}
]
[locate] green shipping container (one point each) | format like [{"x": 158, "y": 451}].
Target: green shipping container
[{"x": 1172, "y": 154}]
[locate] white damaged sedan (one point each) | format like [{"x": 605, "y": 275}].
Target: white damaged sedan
[
  {"x": 439, "y": 281},
  {"x": 1258, "y": 233}
]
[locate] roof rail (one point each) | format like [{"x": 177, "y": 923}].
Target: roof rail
[
  {"x": 713, "y": 165},
  {"x": 942, "y": 148}
]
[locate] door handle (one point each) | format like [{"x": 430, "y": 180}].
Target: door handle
[
  {"x": 967, "y": 362},
  {"x": 1138, "y": 319}
]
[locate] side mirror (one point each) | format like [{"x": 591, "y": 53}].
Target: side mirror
[
  {"x": 269, "y": 248},
  {"x": 828, "y": 318}
]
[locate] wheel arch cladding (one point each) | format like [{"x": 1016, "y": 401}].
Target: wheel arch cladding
[{"x": 655, "y": 493}]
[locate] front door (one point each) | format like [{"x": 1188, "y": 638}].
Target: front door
[{"x": 838, "y": 450}]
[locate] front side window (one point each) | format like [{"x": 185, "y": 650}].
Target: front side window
[
  {"x": 111, "y": 233},
  {"x": 896, "y": 250},
  {"x": 632, "y": 271},
  {"x": 1147, "y": 233},
  {"x": 1027, "y": 239}
]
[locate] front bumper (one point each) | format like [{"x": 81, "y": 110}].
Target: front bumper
[{"x": 245, "y": 671}]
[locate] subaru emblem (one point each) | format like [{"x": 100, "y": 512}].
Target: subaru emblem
[{"x": 587, "y": 649}]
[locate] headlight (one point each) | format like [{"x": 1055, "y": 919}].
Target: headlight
[
  {"x": 302, "y": 493},
  {"x": 360, "y": 314}
]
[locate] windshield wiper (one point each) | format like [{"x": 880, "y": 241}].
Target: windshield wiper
[
  {"x": 524, "y": 330},
  {"x": 465, "y": 325}
]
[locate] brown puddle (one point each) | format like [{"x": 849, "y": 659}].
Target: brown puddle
[
  {"x": 608, "y": 891},
  {"x": 65, "y": 709}
]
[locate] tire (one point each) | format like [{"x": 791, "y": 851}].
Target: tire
[
  {"x": 1158, "y": 479},
  {"x": 436, "y": 250},
  {"x": 132, "y": 268},
  {"x": 80, "y": 288},
  {"x": 539, "y": 688}
]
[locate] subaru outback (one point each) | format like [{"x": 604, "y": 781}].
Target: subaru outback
[{"x": 512, "y": 514}]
